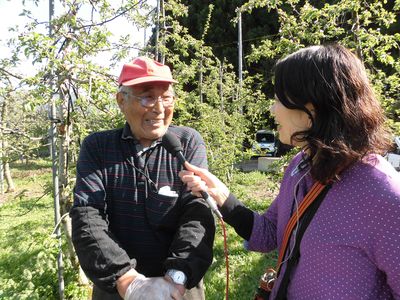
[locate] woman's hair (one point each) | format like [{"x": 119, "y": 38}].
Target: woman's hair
[{"x": 347, "y": 122}]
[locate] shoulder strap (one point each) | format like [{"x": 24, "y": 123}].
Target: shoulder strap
[
  {"x": 311, "y": 202},
  {"x": 312, "y": 194}
]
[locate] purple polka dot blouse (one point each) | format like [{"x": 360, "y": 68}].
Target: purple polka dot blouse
[{"x": 351, "y": 249}]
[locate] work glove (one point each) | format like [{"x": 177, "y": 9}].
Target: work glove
[{"x": 154, "y": 288}]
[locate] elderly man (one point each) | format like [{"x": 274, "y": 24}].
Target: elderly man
[{"x": 138, "y": 233}]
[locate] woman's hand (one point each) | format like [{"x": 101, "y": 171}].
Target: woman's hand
[{"x": 198, "y": 179}]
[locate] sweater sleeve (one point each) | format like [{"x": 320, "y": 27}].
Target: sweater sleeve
[
  {"x": 100, "y": 255},
  {"x": 237, "y": 215},
  {"x": 191, "y": 250},
  {"x": 258, "y": 230}
]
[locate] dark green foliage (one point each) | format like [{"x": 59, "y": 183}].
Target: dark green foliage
[{"x": 273, "y": 29}]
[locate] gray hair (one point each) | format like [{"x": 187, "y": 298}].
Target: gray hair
[{"x": 125, "y": 91}]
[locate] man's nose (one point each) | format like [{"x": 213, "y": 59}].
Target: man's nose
[{"x": 159, "y": 105}]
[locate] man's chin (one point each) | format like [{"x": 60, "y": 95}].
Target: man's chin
[{"x": 157, "y": 134}]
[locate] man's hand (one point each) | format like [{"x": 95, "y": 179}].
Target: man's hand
[
  {"x": 155, "y": 288},
  {"x": 181, "y": 288},
  {"x": 125, "y": 280}
]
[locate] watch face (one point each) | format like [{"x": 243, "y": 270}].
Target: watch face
[{"x": 177, "y": 276}]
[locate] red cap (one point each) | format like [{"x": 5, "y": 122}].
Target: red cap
[{"x": 143, "y": 69}]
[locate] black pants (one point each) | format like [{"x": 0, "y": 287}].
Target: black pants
[{"x": 196, "y": 293}]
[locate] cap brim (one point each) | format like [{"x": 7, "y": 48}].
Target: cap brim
[{"x": 137, "y": 81}]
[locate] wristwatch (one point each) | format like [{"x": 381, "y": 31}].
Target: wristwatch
[{"x": 177, "y": 276}]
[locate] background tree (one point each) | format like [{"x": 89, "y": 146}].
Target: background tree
[
  {"x": 67, "y": 72},
  {"x": 19, "y": 134},
  {"x": 272, "y": 29},
  {"x": 369, "y": 28}
]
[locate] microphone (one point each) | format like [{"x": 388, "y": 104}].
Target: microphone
[{"x": 171, "y": 143}]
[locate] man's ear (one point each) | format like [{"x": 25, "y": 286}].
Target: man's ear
[{"x": 120, "y": 100}]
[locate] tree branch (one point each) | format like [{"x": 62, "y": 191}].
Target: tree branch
[
  {"x": 14, "y": 131},
  {"x": 10, "y": 74}
]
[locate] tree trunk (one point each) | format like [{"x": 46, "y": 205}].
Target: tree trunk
[
  {"x": 65, "y": 190},
  {"x": 9, "y": 180},
  {"x": 5, "y": 164},
  {"x": 2, "y": 120}
]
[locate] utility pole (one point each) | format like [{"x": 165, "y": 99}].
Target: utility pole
[
  {"x": 53, "y": 147},
  {"x": 201, "y": 77},
  {"x": 157, "y": 29},
  {"x": 240, "y": 55},
  {"x": 163, "y": 31},
  {"x": 221, "y": 84},
  {"x": 144, "y": 37}
]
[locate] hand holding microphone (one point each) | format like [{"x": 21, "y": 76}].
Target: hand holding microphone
[
  {"x": 198, "y": 180},
  {"x": 203, "y": 183}
]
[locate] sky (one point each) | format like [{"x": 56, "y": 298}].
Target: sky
[{"x": 9, "y": 17}]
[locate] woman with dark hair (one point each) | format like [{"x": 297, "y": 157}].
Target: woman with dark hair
[{"x": 346, "y": 243}]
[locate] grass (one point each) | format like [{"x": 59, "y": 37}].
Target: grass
[
  {"x": 28, "y": 268},
  {"x": 24, "y": 229}
]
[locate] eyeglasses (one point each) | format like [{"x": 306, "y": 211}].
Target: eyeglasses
[{"x": 150, "y": 101}]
